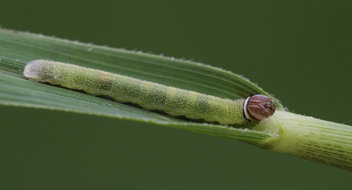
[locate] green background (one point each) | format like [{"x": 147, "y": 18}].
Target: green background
[{"x": 300, "y": 51}]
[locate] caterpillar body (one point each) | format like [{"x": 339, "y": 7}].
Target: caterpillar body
[{"x": 151, "y": 96}]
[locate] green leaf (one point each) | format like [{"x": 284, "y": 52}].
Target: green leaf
[
  {"x": 18, "y": 48},
  {"x": 285, "y": 132}
]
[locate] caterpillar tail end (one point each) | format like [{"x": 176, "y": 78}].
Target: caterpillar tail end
[{"x": 32, "y": 69}]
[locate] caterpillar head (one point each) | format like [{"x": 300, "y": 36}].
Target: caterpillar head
[{"x": 258, "y": 107}]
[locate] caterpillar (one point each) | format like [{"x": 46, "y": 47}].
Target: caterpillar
[{"x": 151, "y": 96}]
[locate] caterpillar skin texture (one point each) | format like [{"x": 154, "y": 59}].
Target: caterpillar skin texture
[{"x": 149, "y": 95}]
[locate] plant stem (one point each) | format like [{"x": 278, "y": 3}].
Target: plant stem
[{"x": 313, "y": 139}]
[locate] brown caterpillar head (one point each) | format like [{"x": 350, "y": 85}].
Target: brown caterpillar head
[{"x": 258, "y": 107}]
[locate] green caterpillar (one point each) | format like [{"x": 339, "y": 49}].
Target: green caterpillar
[{"x": 151, "y": 96}]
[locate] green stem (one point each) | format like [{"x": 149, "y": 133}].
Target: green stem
[{"x": 313, "y": 139}]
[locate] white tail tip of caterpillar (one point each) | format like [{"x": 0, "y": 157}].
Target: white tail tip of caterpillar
[
  {"x": 32, "y": 69},
  {"x": 258, "y": 107}
]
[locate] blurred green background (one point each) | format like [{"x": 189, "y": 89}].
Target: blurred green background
[{"x": 300, "y": 51}]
